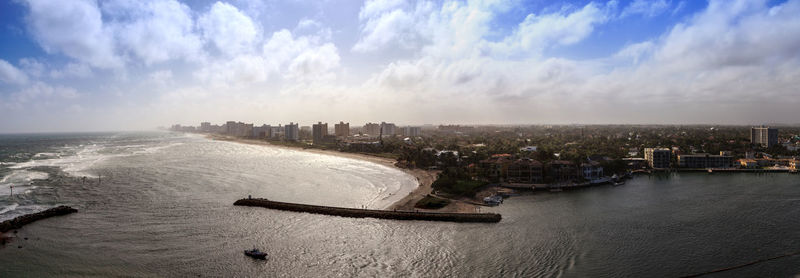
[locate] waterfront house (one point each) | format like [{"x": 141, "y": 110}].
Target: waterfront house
[
  {"x": 495, "y": 168},
  {"x": 561, "y": 170},
  {"x": 591, "y": 170},
  {"x": 524, "y": 170}
]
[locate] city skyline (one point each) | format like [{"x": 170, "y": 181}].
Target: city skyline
[{"x": 120, "y": 65}]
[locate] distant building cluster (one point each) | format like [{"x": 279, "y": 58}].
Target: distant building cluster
[
  {"x": 509, "y": 157},
  {"x": 468, "y": 159},
  {"x": 318, "y": 134},
  {"x": 762, "y": 136}
]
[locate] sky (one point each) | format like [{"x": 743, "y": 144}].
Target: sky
[{"x": 113, "y": 65}]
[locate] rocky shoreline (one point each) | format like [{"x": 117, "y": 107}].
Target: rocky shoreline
[{"x": 23, "y": 220}]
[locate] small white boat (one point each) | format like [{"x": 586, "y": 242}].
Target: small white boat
[{"x": 493, "y": 200}]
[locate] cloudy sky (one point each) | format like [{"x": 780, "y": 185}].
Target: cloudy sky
[{"x": 134, "y": 65}]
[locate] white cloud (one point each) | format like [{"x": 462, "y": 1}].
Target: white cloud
[
  {"x": 282, "y": 47},
  {"x": 647, "y": 8},
  {"x": 72, "y": 70},
  {"x": 303, "y": 57},
  {"x": 10, "y": 74},
  {"x": 156, "y": 31},
  {"x": 396, "y": 25},
  {"x": 457, "y": 29},
  {"x": 679, "y": 7},
  {"x": 32, "y": 67},
  {"x": 314, "y": 63},
  {"x": 374, "y": 8},
  {"x": 446, "y": 59},
  {"x": 239, "y": 71},
  {"x": 231, "y": 31},
  {"x": 636, "y": 51},
  {"x": 42, "y": 92},
  {"x": 536, "y": 33},
  {"x": 732, "y": 54},
  {"x": 160, "y": 78},
  {"x": 306, "y": 23},
  {"x": 283, "y": 56},
  {"x": 74, "y": 28},
  {"x": 740, "y": 33}
]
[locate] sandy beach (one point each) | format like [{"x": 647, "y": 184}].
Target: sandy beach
[{"x": 424, "y": 177}]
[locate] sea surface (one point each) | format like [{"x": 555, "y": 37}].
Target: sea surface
[{"x": 160, "y": 204}]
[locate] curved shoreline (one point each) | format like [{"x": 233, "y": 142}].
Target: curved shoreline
[{"x": 424, "y": 177}]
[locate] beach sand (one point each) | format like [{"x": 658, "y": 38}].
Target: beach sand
[{"x": 424, "y": 177}]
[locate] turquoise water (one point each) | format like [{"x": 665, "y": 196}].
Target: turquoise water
[{"x": 164, "y": 208}]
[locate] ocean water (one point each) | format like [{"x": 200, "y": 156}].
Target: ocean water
[{"x": 160, "y": 204}]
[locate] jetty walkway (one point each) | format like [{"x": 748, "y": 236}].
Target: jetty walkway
[{"x": 362, "y": 213}]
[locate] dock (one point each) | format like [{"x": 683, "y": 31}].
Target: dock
[{"x": 371, "y": 213}]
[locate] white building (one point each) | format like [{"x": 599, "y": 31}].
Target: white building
[{"x": 764, "y": 136}]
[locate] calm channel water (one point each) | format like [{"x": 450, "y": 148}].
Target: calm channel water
[{"x": 164, "y": 208}]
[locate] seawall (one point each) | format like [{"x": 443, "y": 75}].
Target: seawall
[
  {"x": 362, "y": 213},
  {"x": 23, "y": 220}
]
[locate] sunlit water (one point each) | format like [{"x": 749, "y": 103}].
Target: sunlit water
[{"x": 164, "y": 208}]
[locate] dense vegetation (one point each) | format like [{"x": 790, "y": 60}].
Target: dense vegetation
[
  {"x": 431, "y": 202},
  {"x": 456, "y": 186}
]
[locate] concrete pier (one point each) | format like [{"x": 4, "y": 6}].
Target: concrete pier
[
  {"x": 382, "y": 214},
  {"x": 23, "y": 220}
]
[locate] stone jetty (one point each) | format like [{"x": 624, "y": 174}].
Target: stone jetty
[
  {"x": 362, "y": 213},
  {"x": 23, "y": 220}
]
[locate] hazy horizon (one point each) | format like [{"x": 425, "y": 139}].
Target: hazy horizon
[
  {"x": 135, "y": 65},
  {"x": 360, "y": 125}
]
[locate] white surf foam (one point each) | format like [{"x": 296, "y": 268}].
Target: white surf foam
[
  {"x": 155, "y": 149},
  {"x": 9, "y": 208},
  {"x": 47, "y": 155},
  {"x": 75, "y": 165},
  {"x": 87, "y": 156},
  {"x": 21, "y": 181},
  {"x": 18, "y": 210}
]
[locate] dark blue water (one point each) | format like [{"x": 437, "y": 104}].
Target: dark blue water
[{"x": 164, "y": 209}]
